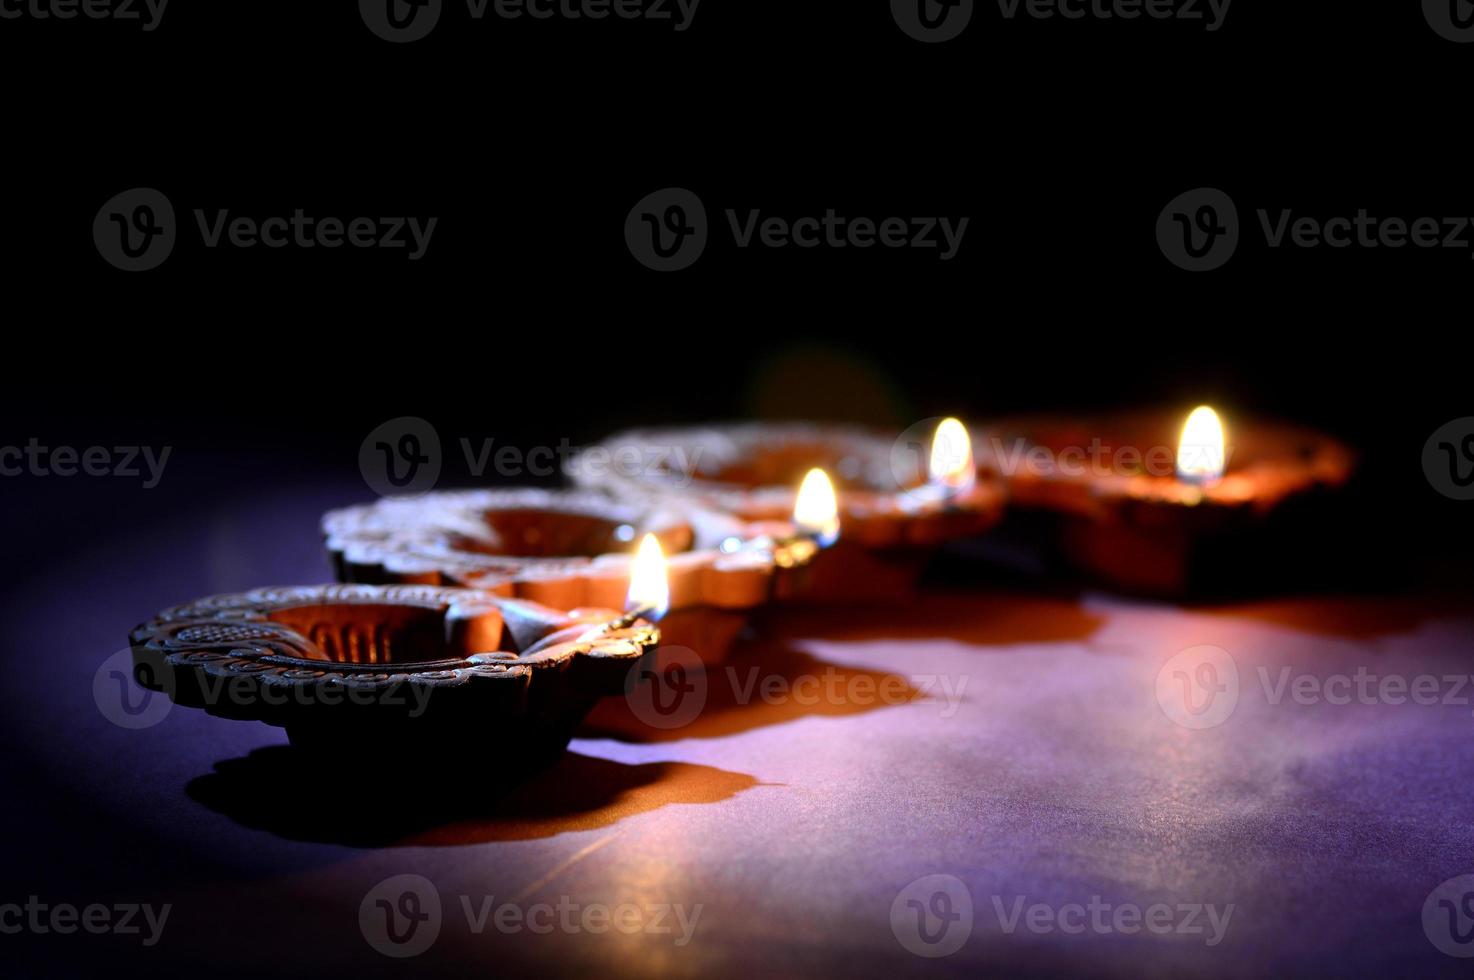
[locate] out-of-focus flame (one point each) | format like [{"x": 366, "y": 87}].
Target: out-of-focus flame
[
  {"x": 817, "y": 510},
  {"x": 1200, "y": 457},
  {"x": 649, "y": 583},
  {"x": 951, "y": 466}
]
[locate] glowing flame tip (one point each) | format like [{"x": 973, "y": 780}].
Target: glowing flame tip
[
  {"x": 816, "y": 511},
  {"x": 951, "y": 465},
  {"x": 649, "y": 582},
  {"x": 1200, "y": 451}
]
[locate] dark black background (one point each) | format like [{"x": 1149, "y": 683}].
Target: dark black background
[
  {"x": 530, "y": 141},
  {"x": 530, "y": 322}
]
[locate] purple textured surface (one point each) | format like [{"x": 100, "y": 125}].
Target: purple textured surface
[{"x": 1057, "y": 778}]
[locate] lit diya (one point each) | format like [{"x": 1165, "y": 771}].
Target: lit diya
[
  {"x": 404, "y": 672},
  {"x": 894, "y": 501},
  {"x": 1166, "y": 503},
  {"x": 568, "y": 549}
]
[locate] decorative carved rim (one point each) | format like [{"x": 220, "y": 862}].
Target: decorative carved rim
[
  {"x": 288, "y": 650},
  {"x": 714, "y": 558},
  {"x": 876, "y": 510}
]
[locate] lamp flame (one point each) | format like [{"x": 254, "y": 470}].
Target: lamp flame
[
  {"x": 951, "y": 466},
  {"x": 816, "y": 512},
  {"x": 649, "y": 583},
  {"x": 1200, "y": 457}
]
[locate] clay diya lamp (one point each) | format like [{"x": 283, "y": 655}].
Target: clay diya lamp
[
  {"x": 569, "y": 549},
  {"x": 1166, "y": 504},
  {"x": 401, "y": 673},
  {"x": 898, "y": 499}
]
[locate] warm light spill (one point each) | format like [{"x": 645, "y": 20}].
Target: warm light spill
[
  {"x": 951, "y": 465},
  {"x": 1200, "y": 456},
  {"x": 817, "y": 511},
  {"x": 649, "y": 584}
]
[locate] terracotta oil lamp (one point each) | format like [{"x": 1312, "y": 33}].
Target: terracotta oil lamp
[
  {"x": 1162, "y": 503},
  {"x": 399, "y": 675}
]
